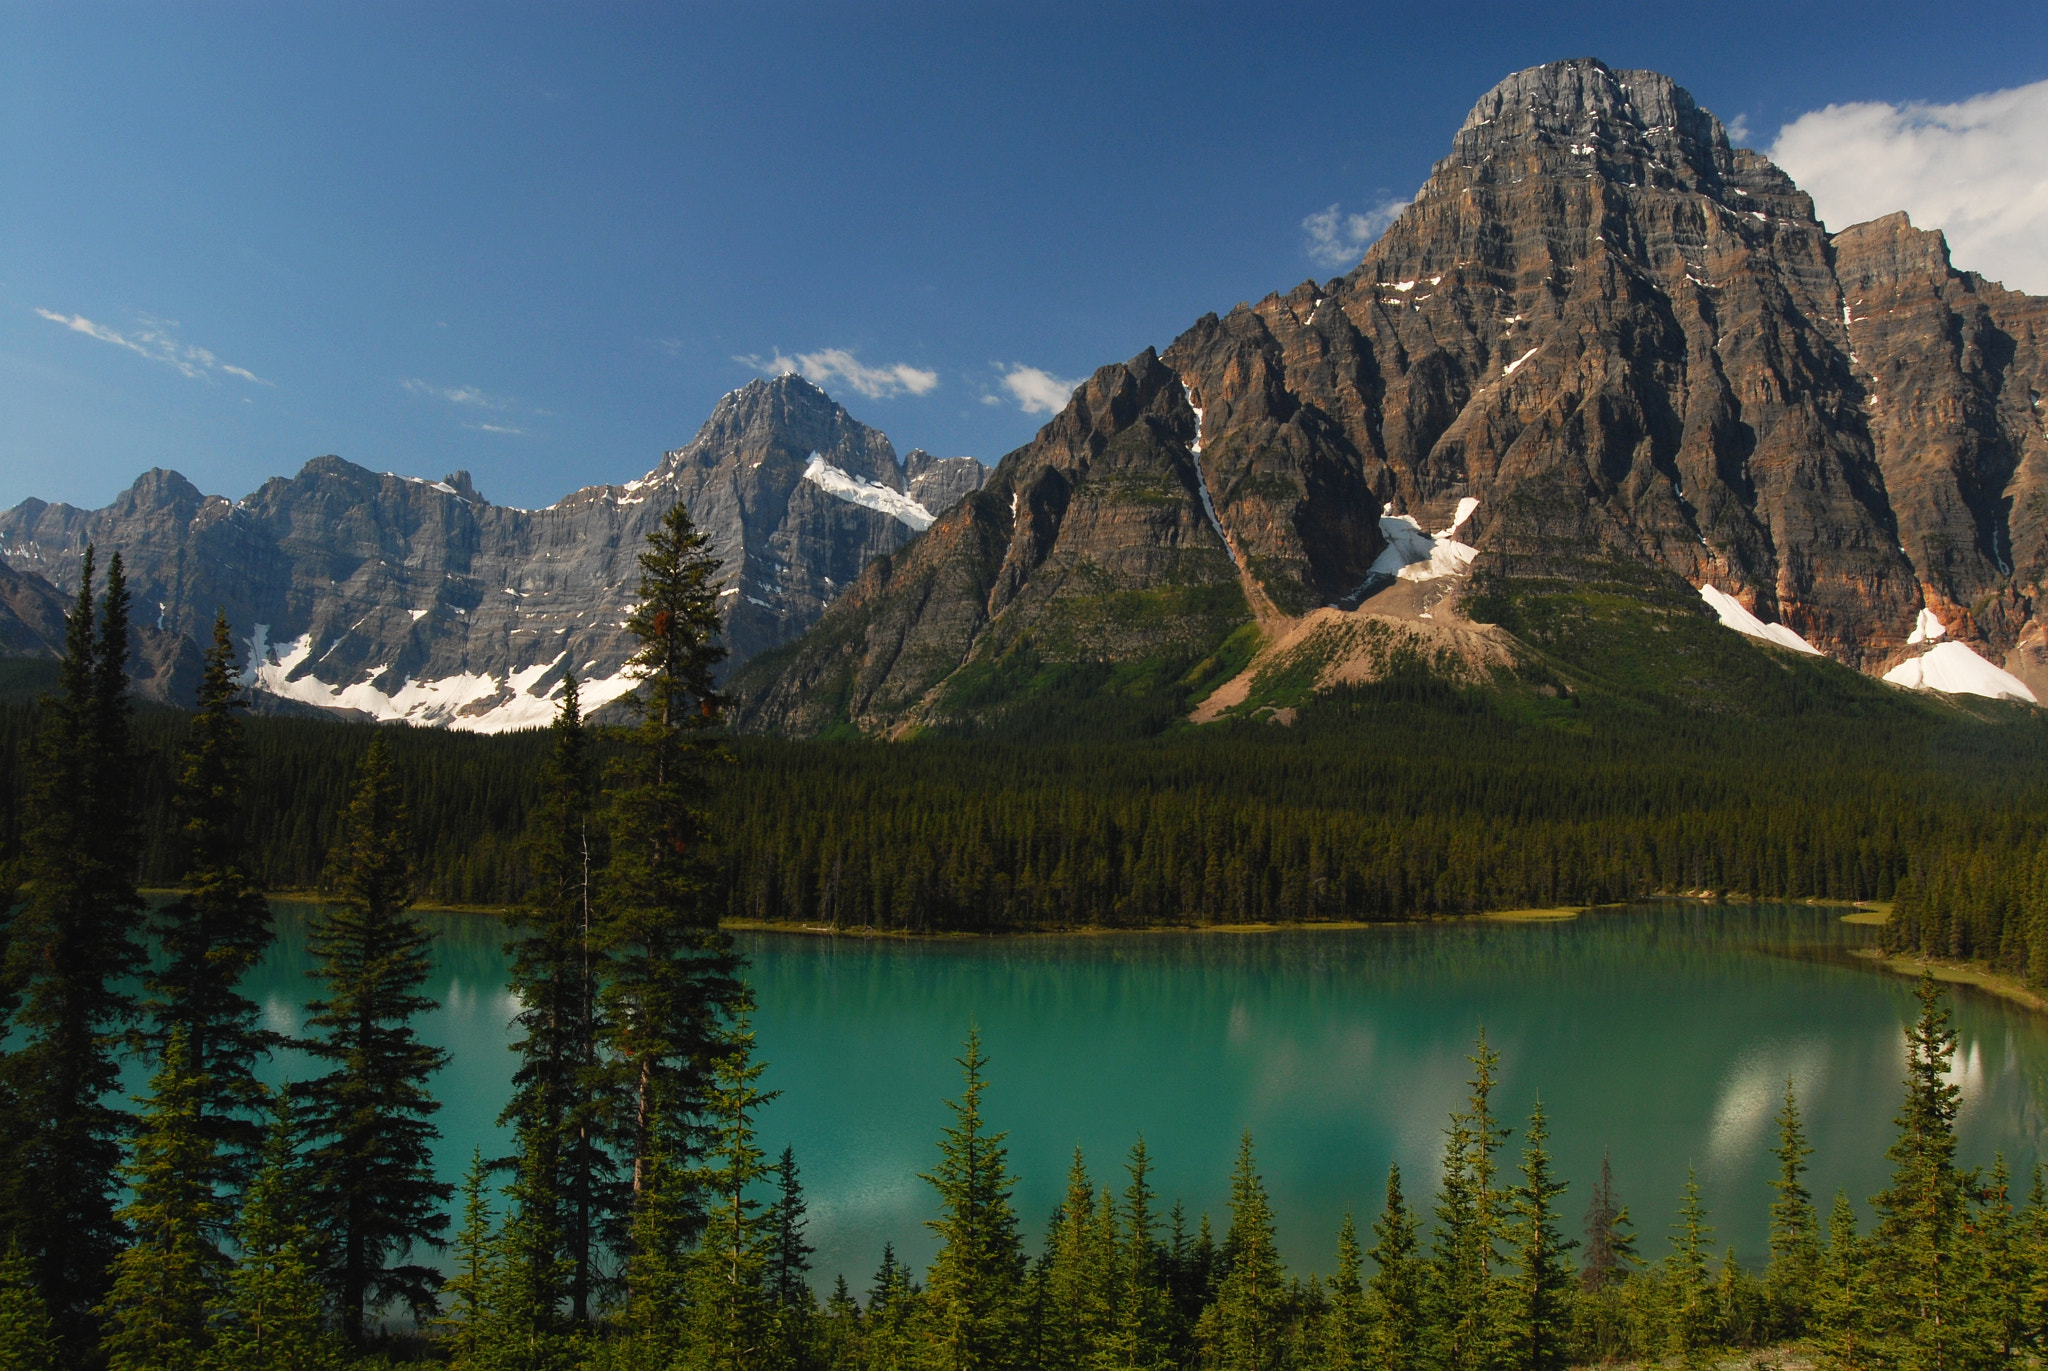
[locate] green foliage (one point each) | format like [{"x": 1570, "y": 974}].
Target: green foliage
[
  {"x": 168, "y": 1277},
  {"x": 273, "y": 1314},
  {"x": 1795, "y": 1227},
  {"x": 211, "y": 936},
  {"x": 971, "y": 1308},
  {"x": 1539, "y": 1294},
  {"x": 1244, "y": 1330},
  {"x": 72, "y": 952},
  {"x": 371, "y": 1161},
  {"x": 28, "y": 1342},
  {"x": 1396, "y": 1289},
  {"x": 1464, "y": 1291}
]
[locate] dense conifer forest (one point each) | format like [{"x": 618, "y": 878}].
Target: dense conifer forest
[{"x": 635, "y": 1223}]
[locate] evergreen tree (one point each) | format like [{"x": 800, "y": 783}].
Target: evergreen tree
[
  {"x": 789, "y": 1263},
  {"x": 1795, "y": 1227},
  {"x": 1141, "y": 1338},
  {"x": 1073, "y": 1316},
  {"x": 211, "y": 936},
  {"x": 165, "y": 1282},
  {"x": 656, "y": 1271},
  {"x": 1999, "y": 1274},
  {"x": 27, "y": 1341},
  {"x": 372, "y": 1163},
  {"x": 525, "y": 1281},
  {"x": 1243, "y": 1328},
  {"x": 670, "y": 976},
  {"x": 889, "y": 1328},
  {"x": 274, "y": 1317},
  {"x": 467, "y": 1288},
  {"x": 1540, "y": 1308},
  {"x": 558, "y": 1103},
  {"x": 970, "y": 1307},
  {"x": 1396, "y": 1285},
  {"x": 1610, "y": 1237},
  {"x": 1693, "y": 1316},
  {"x": 1841, "y": 1298},
  {"x": 1916, "y": 1250},
  {"x": 72, "y": 949},
  {"x": 1464, "y": 1287},
  {"x": 1347, "y": 1327},
  {"x": 732, "y": 1312}
]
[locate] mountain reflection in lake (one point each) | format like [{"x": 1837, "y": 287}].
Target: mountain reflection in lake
[{"x": 1663, "y": 1032}]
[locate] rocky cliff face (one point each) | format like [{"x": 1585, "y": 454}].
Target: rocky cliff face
[
  {"x": 1600, "y": 334},
  {"x": 396, "y": 597}
]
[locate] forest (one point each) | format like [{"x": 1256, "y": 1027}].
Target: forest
[{"x": 635, "y": 1223}]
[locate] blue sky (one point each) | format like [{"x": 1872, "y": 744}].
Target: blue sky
[{"x": 539, "y": 242}]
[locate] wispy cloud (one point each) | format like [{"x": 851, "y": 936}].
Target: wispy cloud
[
  {"x": 1336, "y": 239},
  {"x": 454, "y": 395},
  {"x": 512, "y": 429},
  {"x": 837, "y": 366},
  {"x": 1972, "y": 169},
  {"x": 1037, "y": 391},
  {"x": 156, "y": 339},
  {"x": 1738, "y": 130}
]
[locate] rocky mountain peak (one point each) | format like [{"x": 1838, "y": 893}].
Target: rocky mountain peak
[{"x": 784, "y": 420}]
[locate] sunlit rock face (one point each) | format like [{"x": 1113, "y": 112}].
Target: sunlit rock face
[
  {"x": 1600, "y": 334},
  {"x": 396, "y": 597}
]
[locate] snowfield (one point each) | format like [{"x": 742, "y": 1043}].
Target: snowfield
[
  {"x": 1734, "y": 616},
  {"x": 859, "y": 490},
  {"x": 1954, "y": 669}
]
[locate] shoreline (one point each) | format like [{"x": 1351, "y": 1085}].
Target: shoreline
[{"x": 1972, "y": 974}]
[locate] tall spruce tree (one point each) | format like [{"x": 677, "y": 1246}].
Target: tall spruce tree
[
  {"x": 1841, "y": 1302},
  {"x": 559, "y": 1101},
  {"x": 1464, "y": 1285},
  {"x": 525, "y": 1281},
  {"x": 970, "y": 1309},
  {"x": 372, "y": 1163},
  {"x": 1073, "y": 1284},
  {"x": 789, "y": 1265},
  {"x": 1610, "y": 1237},
  {"x": 731, "y": 1322},
  {"x": 274, "y": 1313},
  {"x": 212, "y": 935},
  {"x": 1539, "y": 1314},
  {"x": 1141, "y": 1338},
  {"x": 1395, "y": 1288},
  {"x": 1795, "y": 1227},
  {"x": 468, "y": 1286},
  {"x": 167, "y": 1280},
  {"x": 73, "y": 951},
  {"x": 1692, "y": 1323},
  {"x": 1243, "y": 1328},
  {"x": 1347, "y": 1325},
  {"x": 670, "y": 976},
  {"x": 1917, "y": 1250}
]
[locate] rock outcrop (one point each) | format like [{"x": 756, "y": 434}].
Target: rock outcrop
[
  {"x": 1601, "y": 335},
  {"x": 397, "y": 597}
]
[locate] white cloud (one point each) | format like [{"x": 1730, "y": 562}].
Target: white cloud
[
  {"x": 156, "y": 339},
  {"x": 837, "y": 366},
  {"x": 1974, "y": 169},
  {"x": 1336, "y": 239},
  {"x": 1038, "y": 392},
  {"x": 512, "y": 429},
  {"x": 454, "y": 395}
]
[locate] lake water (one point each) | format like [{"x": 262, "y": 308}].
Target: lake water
[{"x": 1664, "y": 1033}]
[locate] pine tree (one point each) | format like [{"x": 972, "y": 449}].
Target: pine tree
[
  {"x": 1073, "y": 1316},
  {"x": 1142, "y": 1336},
  {"x": 559, "y": 1103},
  {"x": 1347, "y": 1327},
  {"x": 789, "y": 1263},
  {"x": 274, "y": 1317},
  {"x": 670, "y": 976},
  {"x": 372, "y": 1163},
  {"x": 1916, "y": 1249},
  {"x": 1610, "y": 1238},
  {"x": 1540, "y": 1310},
  {"x": 73, "y": 950},
  {"x": 1396, "y": 1285},
  {"x": 166, "y": 1281},
  {"x": 211, "y": 936},
  {"x": 889, "y": 1328},
  {"x": 732, "y": 1312},
  {"x": 1998, "y": 1275},
  {"x": 1243, "y": 1328},
  {"x": 27, "y": 1340},
  {"x": 1464, "y": 1285},
  {"x": 467, "y": 1288},
  {"x": 525, "y": 1280},
  {"x": 1693, "y": 1317},
  {"x": 1795, "y": 1227},
  {"x": 971, "y": 1302},
  {"x": 1841, "y": 1296}
]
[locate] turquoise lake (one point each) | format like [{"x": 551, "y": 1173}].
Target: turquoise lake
[{"x": 1664, "y": 1033}]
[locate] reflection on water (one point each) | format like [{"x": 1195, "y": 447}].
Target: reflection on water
[{"x": 1663, "y": 1032}]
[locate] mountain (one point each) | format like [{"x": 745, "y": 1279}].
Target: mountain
[
  {"x": 396, "y": 597},
  {"x": 1603, "y": 353}
]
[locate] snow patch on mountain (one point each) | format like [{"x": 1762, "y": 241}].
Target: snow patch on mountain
[
  {"x": 1953, "y": 669},
  {"x": 469, "y": 702},
  {"x": 859, "y": 490},
  {"x": 1733, "y": 615},
  {"x": 1413, "y": 555},
  {"x": 1926, "y": 628}
]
